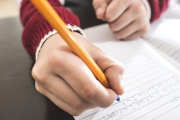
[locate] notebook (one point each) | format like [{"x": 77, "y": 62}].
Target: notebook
[{"x": 152, "y": 74}]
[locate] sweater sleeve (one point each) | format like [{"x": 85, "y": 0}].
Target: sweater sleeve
[
  {"x": 36, "y": 27},
  {"x": 157, "y": 8}
]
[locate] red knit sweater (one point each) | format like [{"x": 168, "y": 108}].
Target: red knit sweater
[{"x": 36, "y": 27}]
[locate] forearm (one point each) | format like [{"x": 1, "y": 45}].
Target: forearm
[
  {"x": 36, "y": 27},
  {"x": 157, "y": 8}
]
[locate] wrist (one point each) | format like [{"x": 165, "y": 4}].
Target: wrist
[
  {"x": 51, "y": 33},
  {"x": 43, "y": 40},
  {"x": 148, "y": 9}
]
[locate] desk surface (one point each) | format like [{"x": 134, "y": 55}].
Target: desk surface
[{"x": 19, "y": 99}]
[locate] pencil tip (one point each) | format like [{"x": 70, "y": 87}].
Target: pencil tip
[{"x": 118, "y": 98}]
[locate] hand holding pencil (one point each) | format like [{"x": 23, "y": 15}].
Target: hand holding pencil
[{"x": 69, "y": 76}]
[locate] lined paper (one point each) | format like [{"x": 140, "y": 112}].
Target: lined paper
[
  {"x": 152, "y": 85},
  {"x": 167, "y": 48},
  {"x": 165, "y": 38}
]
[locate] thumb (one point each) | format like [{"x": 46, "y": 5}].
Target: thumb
[
  {"x": 113, "y": 70},
  {"x": 100, "y": 7}
]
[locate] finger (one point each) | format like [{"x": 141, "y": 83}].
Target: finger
[
  {"x": 64, "y": 92},
  {"x": 127, "y": 31},
  {"x": 83, "y": 82},
  {"x": 58, "y": 102},
  {"x": 123, "y": 21},
  {"x": 137, "y": 34},
  {"x": 105, "y": 63},
  {"x": 115, "y": 9},
  {"x": 114, "y": 71},
  {"x": 57, "y": 86},
  {"x": 100, "y": 7},
  {"x": 137, "y": 25}
]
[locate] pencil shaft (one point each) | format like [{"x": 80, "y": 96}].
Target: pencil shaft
[{"x": 57, "y": 23}]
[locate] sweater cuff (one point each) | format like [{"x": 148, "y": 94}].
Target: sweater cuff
[
  {"x": 146, "y": 4},
  {"x": 51, "y": 33},
  {"x": 37, "y": 27}
]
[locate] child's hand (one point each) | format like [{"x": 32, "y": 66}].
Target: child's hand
[
  {"x": 128, "y": 19},
  {"x": 64, "y": 78}
]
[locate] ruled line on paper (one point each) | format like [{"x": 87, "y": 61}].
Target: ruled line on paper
[
  {"x": 144, "y": 85},
  {"x": 142, "y": 73},
  {"x": 131, "y": 106},
  {"x": 166, "y": 45},
  {"x": 176, "y": 99}
]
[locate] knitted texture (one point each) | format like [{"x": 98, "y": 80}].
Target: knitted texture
[
  {"x": 36, "y": 27},
  {"x": 157, "y": 7}
]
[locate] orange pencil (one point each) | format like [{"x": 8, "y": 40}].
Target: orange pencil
[{"x": 57, "y": 23}]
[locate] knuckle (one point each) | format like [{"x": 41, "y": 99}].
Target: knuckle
[
  {"x": 53, "y": 58},
  {"x": 79, "y": 106},
  {"x": 118, "y": 64},
  {"x": 102, "y": 59},
  {"x": 109, "y": 17},
  {"x": 89, "y": 91},
  {"x": 37, "y": 74},
  {"x": 120, "y": 67},
  {"x": 139, "y": 10}
]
